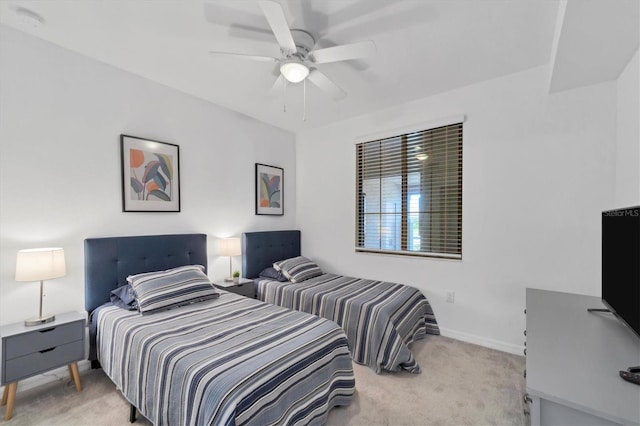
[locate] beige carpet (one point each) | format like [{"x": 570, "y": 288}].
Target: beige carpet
[{"x": 460, "y": 384}]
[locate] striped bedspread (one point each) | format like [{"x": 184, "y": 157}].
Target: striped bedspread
[
  {"x": 227, "y": 361},
  {"x": 380, "y": 318}
]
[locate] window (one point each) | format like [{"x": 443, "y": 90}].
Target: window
[{"x": 409, "y": 193}]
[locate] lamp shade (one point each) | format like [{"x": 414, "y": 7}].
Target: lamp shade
[
  {"x": 230, "y": 247},
  {"x": 40, "y": 264}
]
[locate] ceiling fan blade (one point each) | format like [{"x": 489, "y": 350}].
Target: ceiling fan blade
[
  {"x": 277, "y": 86},
  {"x": 344, "y": 52},
  {"x": 243, "y": 56},
  {"x": 323, "y": 82},
  {"x": 278, "y": 23}
]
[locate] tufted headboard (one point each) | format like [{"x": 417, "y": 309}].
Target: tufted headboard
[
  {"x": 261, "y": 249},
  {"x": 108, "y": 261}
]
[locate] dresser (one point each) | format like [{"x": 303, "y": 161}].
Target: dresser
[
  {"x": 573, "y": 358},
  {"x": 28, "y": 351}
]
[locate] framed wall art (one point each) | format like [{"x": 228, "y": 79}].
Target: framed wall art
[
  {"x": 150, "y": 175},
  {"x": 269, "y": 190}
]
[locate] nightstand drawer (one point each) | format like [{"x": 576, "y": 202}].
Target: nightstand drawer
[
  {"x": 49, "y": 358},
  {"x": 245, "y": 289},
  {"x": 34, "y": 341}
]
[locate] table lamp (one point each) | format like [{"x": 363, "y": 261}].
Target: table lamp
[
  {"x": 38, "y": 265},
  {"x": 230, "y": 247}
]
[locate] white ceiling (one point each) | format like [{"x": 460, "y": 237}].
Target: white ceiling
[
  {"x": 423, "y": 47},
  {"x": 595, "y": 41}
]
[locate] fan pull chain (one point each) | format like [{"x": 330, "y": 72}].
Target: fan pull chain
[
  {"x": 284, "y": 96},
  {"x": 304, "y": 100}
]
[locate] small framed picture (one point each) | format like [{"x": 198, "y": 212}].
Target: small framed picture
[
  {"x": 269, "y": 190},
  {"x": 150, "y": 175}
]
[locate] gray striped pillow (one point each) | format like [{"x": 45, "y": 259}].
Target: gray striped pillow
[
  {"x": 161, "y": 290},
  {"x": 298, "y": 269}
]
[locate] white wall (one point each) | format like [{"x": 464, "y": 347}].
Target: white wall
[
  {"x": 628, "y": 136},
  {"x": 61, "y": 115},
  {"x": 538, "y": 170}
]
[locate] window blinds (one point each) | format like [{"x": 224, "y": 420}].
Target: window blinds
[{"x": 409, "y": 193}]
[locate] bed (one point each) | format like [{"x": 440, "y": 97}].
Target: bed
[
  {"x": 380, "y": 319},
  {"x": 225, "y": 360}
]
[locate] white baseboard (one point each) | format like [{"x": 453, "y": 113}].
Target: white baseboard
[
  {"x": 483, "y": 341},
  {"x": 58, "y": 374}
]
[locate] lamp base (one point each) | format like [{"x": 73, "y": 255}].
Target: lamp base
[{"x": 38, "y": 321}]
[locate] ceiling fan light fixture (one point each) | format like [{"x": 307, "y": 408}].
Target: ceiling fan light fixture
[{"x": 294, "y": 71}]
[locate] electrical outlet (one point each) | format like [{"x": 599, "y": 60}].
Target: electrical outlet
[{"x": 451, "y": 296}]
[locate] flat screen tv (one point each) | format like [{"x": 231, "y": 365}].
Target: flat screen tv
[{"x": 621, "y": 264}]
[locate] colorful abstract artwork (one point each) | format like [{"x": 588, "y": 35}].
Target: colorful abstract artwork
[
  {"x": 269, "y": 190},
  {"x": 150, "y": 175}
]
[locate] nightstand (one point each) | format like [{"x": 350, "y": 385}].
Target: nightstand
[
  {"x": 27, "y": 351},
  {"x": 244, "y": 287}
]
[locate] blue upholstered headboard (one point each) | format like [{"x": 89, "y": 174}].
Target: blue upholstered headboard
[
  {"x": 261, "y": 249},
  {"x": 108, "y": 261}
]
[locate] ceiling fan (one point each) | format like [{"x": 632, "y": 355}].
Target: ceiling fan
[{"x": 298, "y": 60}]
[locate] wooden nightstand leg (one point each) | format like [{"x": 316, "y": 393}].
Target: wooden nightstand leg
[
  {"x": 5, "y": 394},
  {"x": 11, "y": 397},
  {"x": 75, "y": 375}
]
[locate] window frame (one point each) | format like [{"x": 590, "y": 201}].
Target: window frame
[{"x": 403, "y": 133}]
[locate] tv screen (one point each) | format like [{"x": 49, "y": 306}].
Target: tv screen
[{"x": 621, "y": 264}]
